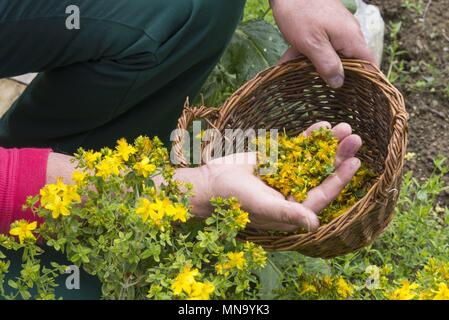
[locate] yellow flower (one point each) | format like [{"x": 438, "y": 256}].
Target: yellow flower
[
  {"x": 405, "y": 292},
  {"x": 79, "y": 177},
  {"x": 344, "y": 289},
  {"x": 201, "y": 291},
  {"x": 178, "y": 212},
  {"x": 59, "y": 197},
  {"x": 91, "y": 157},
  {"x": 144, "y": 167},
  {"x": 59, "y": 207},
  {"x": 153, "y": 211},
  {"x": 236, "y": 260},
  {"x": 242, "y": 219},
  {"x": 304, "y": 162},
  {"x": 327, "y": 281},
  {"x": 71, "y": 194},
  {"x": 108, "y": 166},
  {"x": 184, "y": 281},
  {"x": 124, "y": 149},
  {"x": 144, "y": 209},
  {"x": 426, "y": 295},
  {"x": 308, "y": 288},
  {"x": 259, "y": 256},
  {"x": 161, "y": 206},
  {"x": 442, "y": 293},
  {"x": 221, "y": 268},
  {"x": 23, "y": 230}
]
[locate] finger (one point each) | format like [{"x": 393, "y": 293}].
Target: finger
[
  {"x": 326, "y": 61},
  {"x": 347, "y": 148},
  {"x": 316, "y": 126},
  {"x": 341, "y": 131},
  {"x": 290, "y": 54},
  {"x": 359, "y": 49},
  {"x": 354, "y": 46},
  {"x": 282, "y": 212},
  {"x": 321, "y": 196}
]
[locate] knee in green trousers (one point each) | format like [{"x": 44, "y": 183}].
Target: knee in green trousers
[{"x": 127, "y": 71}]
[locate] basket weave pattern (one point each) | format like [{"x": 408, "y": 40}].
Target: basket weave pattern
[{"x": 292, "y": 97}]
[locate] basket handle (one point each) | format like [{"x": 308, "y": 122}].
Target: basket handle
[{"x": 189, "y": 114}]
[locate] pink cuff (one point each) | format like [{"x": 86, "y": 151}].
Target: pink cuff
[{"x": 22, "y": 174}]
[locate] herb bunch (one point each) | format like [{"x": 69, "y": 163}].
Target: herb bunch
[{"x": 304, "y": 162}]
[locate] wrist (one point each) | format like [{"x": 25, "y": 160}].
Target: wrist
[{"x": 59, "y": 166}]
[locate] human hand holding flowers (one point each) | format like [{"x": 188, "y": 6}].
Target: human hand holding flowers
[{"x": 233, "y": 176}]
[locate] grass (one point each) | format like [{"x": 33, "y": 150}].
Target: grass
[
  {"x": 416, "y": 6},
  {"x": 395, "y": 54}
]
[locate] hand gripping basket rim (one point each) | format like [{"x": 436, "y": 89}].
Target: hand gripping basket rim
[{"x": 346, "y": 233}]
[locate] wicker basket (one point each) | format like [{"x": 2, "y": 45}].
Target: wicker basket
[{"x": 292, "y": 97}]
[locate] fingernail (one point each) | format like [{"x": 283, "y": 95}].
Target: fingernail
[
  {"x": 355, "y": 163},
  {"x": 336, "y": 81},
  {"x": 312, "y": 221}
]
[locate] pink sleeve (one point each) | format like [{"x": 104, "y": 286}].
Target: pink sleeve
[{"x": 22, "y": 174}]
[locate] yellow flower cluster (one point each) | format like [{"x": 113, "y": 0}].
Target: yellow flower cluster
[
  {"x": 304, "y": 162},
  {"x": 344, "y": 288},
  {"x": 319, "y": 286},
  {"x": 258, "y": 254},
  {"x": 431, "y": 283},
  {"x": 186, "y": 284},
  {"x": 114, "y": 162},
  {"x": 144, "y": 167},
  {"x": 353, "y": 192},
  {"x": 79, "y": 177},
  {"x": 109, "y": 166},
  {"x": 241, "y": 218},
  {"x": 235, "y": 260},
  {"x": 59, "y": 197},
  {"x": 23, "y": 230},
  {"x": 125, "y": 150},
  {"x": 161, "y": 212},
  {"x": 407, "y": 291}
]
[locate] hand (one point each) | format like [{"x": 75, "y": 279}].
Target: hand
[
  {"x": 321, "y": 30},
  {"x": 233, "y": 176}
]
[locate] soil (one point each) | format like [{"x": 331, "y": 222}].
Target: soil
[{"x": 424, "y": 36}]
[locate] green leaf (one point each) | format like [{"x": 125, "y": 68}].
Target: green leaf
[
  {"x": 256, "y": 45},
  {"x": 351, "y": 5},
  {"x": 269, "y": 281},
  {"x": 13, "y": 284}
]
